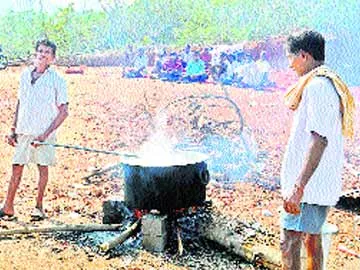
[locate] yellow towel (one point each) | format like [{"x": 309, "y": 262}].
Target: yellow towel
[{"x": 347, "y": 104}]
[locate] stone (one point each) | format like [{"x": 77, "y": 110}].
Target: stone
[{"x": 115, "y": 212}]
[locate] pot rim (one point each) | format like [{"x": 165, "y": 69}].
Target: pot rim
[{"x": 179, "y": 158}]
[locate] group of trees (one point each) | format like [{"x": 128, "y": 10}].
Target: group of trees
[{"x": 167, "y": 22}]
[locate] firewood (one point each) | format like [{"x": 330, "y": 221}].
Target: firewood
[
  {"x": 180, "y": 244},
  {"x": 254, "y": 253},
  {"x": 121, "y": 238},
  {"x": 63, "y": 228}
]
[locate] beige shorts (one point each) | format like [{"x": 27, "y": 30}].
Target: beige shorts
[{"x": 25, "y": 153}]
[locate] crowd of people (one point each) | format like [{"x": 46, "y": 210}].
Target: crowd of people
[{"x": 203, "y": 65}]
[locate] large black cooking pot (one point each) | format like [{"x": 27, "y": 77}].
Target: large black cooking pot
[{"x": 166, "y": 186}]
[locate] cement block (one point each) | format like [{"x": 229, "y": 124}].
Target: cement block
[
  {"x": 154, "y": 243},
  {"x": 154, "y": 225}
]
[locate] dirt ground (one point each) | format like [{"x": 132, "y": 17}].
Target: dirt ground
[{"x": 108, "y": 112}]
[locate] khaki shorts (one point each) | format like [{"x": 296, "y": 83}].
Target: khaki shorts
[{"x": 25, "y": 153}]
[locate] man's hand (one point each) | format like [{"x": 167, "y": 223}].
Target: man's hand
[
  {"x": 40, "y": 138},
  {"x": 12, "y": 139},
  {"x": 292, "y": 202}
]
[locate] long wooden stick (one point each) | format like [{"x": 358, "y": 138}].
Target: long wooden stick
[
  {"x": 76, "y": 147},
  {"x": 63, "y": 228},
  {"x": 121, "y": 238}
]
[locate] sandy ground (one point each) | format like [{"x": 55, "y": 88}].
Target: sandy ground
[{"x": 108, "y": 112}]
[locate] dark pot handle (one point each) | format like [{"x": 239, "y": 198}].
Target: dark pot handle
[{"x": 204, "y": 177}]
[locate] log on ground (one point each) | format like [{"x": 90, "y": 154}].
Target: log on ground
[
  {"x": 63, "y": 228},
  {"x": 254, "y": 253}
]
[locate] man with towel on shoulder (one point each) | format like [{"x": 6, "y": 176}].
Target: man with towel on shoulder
[{"x": 311, "y": 170}]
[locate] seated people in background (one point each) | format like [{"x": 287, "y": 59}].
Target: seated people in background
[
  {"x": 239, "y": 61},
  {"x": 129, "y": 56},
  {"x": 228, "y": 76},
  {"x": 206, "y": 56},
  {"x": 218, "y": 66},
  {"x": 186, "y": 55},
  {"x": 157, "y": 69},
  {"x": 264, "y": 68},
  {"x": 248, "y": 74},
  {"x": 195, "y": 70},
  {"x": 139, "y": 68},
  {"x": 151, "y": 54},
  {"x": 172, "y": 68}
]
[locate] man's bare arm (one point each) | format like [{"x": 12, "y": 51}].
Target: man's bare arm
[
  {"x": 15, "y": 116},
  {"x": 12, "y": 138},
  {"x": 312, "y": 160},
  {"x": 317, "y": 148},
  {"x": 63, "y": 113}
]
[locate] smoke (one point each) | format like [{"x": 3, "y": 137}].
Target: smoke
[
  {"x": 342, "y": 38},
  {"x": 342, "y": 54},
  {"x": 159, "y": 142},
  {"x": 230, "y": 159}
]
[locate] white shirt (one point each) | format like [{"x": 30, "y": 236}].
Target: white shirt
[
  {"x": 319, "y": 111},
  {"x": 39, "y": 102}
]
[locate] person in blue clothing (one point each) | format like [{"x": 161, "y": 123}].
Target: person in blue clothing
[{"x": 195, "y": 70}]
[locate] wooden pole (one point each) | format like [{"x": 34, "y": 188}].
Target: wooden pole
[{"x": 87, "y": 149}]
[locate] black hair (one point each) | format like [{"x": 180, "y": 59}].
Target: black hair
[
  {"x": 46, "y": 43},
  {"x": 309, "y": 41}
]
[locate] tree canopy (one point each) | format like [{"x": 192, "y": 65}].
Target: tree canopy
[{"x": 169, "y": 22}]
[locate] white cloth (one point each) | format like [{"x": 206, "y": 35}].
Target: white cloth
[
  {"x": 263, "y": 66},
  {"x": 319, "y": 111},
  {"x": 250, "y": 74},
  {"x": 39, "y": 102}
]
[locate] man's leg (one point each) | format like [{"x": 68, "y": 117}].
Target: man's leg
[
  {"x": 17, "y": 171},
  {"x": 43, "y": 179},
  {"x": 290, "y": 245},
  {"x": 314, "y": 252}
]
